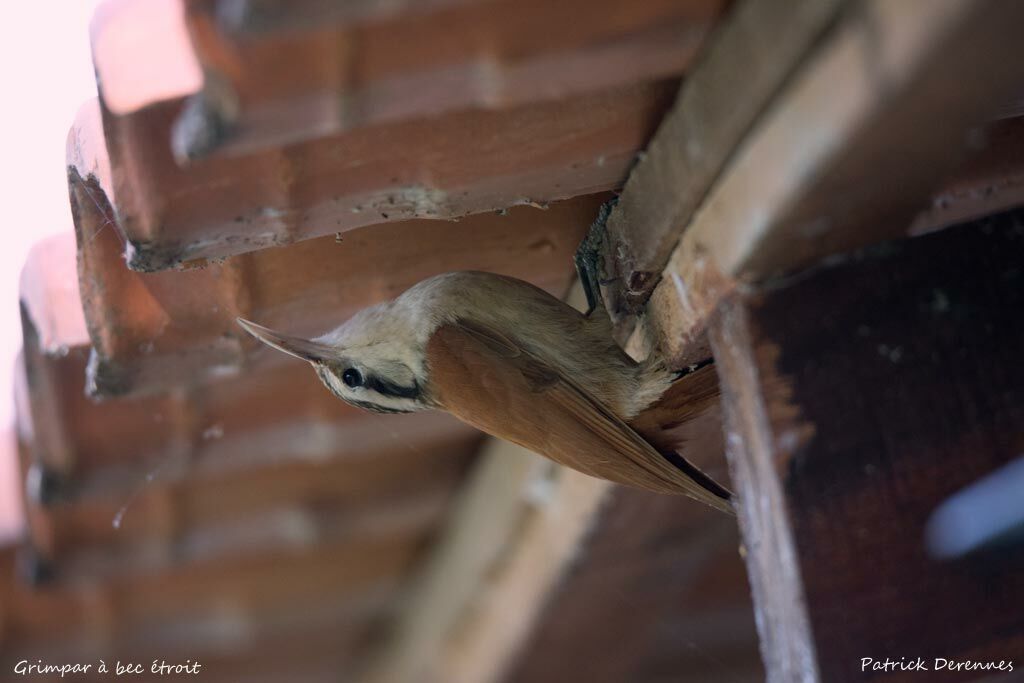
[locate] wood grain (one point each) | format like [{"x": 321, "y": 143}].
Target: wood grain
[
  {"x": 858, "y": 398},
  {"x": 828, "y": 169},
  {"x": 759, "y": 45},
  {"x": 657, "y": 593}
]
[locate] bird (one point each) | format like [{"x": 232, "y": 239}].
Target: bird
[{"x": 513, "y": 361}]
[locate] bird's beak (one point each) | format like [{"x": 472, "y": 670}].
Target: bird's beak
[{"x": 293, "y": 346}]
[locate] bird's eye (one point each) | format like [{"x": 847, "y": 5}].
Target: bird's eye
[{"x": 352, "y": 377}]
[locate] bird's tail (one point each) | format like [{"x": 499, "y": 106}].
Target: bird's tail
[{"x": 685, "y": 420}]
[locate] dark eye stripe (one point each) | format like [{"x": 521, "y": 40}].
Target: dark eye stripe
[
  {"x": 382, "y": 387},
  {"x": 386, "y": 388}
]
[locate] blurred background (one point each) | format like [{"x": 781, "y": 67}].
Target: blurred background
[{"x": 54, "y": 74}]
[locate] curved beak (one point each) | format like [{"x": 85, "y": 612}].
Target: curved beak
[{"x": 293, "y": 346}]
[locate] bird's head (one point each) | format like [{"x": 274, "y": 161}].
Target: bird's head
[{"x": 375, "y": 373}]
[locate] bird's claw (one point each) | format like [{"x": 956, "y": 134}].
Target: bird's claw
[{"x": 589, "y": 257}]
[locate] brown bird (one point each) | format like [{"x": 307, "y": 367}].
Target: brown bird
[{"x": 513, "y": 361}]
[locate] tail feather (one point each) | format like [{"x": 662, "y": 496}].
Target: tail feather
[{"x": 687, "y": 419}]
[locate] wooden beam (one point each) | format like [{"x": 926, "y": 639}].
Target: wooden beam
[
  {"x": 827, "y": 168},
  {"x": 858, "y": 398},
  {"x": 990, "y": 181},
  {"x": 514, "y": 528},
  {"x": 749, "y": 57},
  {"x": 656, "y": 592},
  {"x": 787, "y": 646}
]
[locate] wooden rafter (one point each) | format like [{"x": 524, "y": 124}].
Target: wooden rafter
[
  {"x": 753, "y": 52},
  {"x": 851, "y": 149}
]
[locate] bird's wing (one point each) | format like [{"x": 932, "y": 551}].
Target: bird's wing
[{"x": 487, "y": 380}]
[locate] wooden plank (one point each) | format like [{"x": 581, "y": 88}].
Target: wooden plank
[
  {"x": 787, "y": 646},
  {"x": 511, "y": 496},
  {"x": 990, "y": 181},
  {"x": 826, "y": 169},
  {"x": 859, "y": 397},
  {"x": 758, "y": 45},
  {"x": 657, "y": 592}
]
